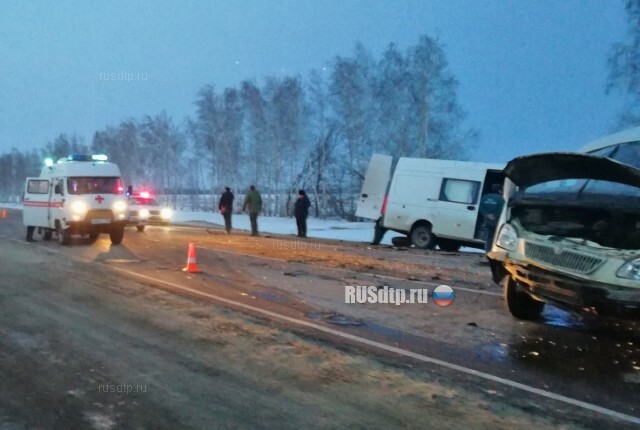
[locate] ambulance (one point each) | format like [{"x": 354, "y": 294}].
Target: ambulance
[{"x": 78, "y": 195}]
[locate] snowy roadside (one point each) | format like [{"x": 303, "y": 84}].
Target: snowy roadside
[{"x": 317, "y": 228}]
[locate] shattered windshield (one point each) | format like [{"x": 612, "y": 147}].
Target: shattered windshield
[
  {"x": 573, "y": 191},
  {"x": 582, "y": 187}
]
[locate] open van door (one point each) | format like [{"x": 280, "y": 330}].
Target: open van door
[
  {"x": 35, "y": 203},
  {"x": 374, "y": 187}
]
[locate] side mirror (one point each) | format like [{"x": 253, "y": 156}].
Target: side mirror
[{"x": 57, "y": 189}]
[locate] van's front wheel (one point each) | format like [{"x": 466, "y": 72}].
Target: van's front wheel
[
  {"x": 93, "y": 235},
  {"x": 65, "y": 236},
  {"x": 422, "y": 237},
  {"x": 116, "y": 234},
  {"x": 520, "y": 304}
]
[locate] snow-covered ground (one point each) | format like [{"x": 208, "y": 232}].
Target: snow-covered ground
[
  {"x": 323, "y": 229},
  {"x": 319, "y": 228}
]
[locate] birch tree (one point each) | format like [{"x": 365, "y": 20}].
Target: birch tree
[{"x": 624, "y": 67}]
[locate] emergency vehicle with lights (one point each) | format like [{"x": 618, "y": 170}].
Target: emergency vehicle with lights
[
  {"x": 144, "y": 209},
  {"x": 78, "y": 195}
]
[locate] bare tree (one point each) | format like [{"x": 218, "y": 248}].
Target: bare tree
[{"x": 624, "y": 67}]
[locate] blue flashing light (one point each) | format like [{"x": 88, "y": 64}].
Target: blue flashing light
[
  {"x": 79, "y": 157},
  {"x": 84, "y": 157}
]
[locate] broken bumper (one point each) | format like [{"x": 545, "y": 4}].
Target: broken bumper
[{"x": 574, "y": 293}]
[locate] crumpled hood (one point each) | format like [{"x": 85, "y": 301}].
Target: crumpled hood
[{"x": 539, "y": 168}]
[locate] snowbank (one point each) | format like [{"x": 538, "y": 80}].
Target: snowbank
[{"x": 319, "y": 228}]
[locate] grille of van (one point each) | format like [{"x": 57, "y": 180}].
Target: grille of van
[
  {"x": 99, "y": 214},
  {"x": 565, "y": 259}
]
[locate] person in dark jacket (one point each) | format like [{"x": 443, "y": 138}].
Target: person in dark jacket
[
  {"x": 379, "y": 228},
  {"x": 30, "y": 230},
  {"x": 226, "y": 207},
  {"x": 490, "y": 208},
  {"x": 301, "y": 212}
]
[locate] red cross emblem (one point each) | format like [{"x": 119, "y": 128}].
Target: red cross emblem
[{"x": 99, "y": 199}]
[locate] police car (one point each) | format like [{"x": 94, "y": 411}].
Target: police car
[
  {"x": 143, "y": 210},
  {"x": 77, "y": 195}
]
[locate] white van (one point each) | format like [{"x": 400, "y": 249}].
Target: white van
[
  {"x": 81, "y": 194},
  {"x": 431, "y": 201}
]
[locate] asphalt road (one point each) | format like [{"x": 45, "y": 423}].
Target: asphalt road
[{"x": 101, "y": 336}]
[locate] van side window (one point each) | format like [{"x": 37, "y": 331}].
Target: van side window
[
  {"x": 60, "y": 185},
  {"x": 459, "y": 191},
  {"x": 37, "y": 186}
]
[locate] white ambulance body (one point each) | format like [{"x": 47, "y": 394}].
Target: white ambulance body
[
  {"x": 432, "y": 201},
  {"x": 79, "y": 195}
]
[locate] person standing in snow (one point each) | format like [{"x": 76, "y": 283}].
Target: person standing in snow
[
  {"x": 253, "y": 202},
  {"x": 379, "y": 229},
  {"x": 226, "y": 207},
  {"x": 301, "y": 212}
]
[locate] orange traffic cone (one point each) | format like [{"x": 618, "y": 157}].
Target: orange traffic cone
[
  {"x": 192, "y": 266},
  {"x": 4, "y": 214}
]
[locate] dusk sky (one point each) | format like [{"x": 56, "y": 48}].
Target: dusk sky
[{"x": 531, "y": 73}]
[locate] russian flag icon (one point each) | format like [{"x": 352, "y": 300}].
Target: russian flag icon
[{"x": 443, "y": 295}]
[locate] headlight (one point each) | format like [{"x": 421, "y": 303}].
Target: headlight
[
  {"x": 144, "y": 213},
  {"x": 166, "y": 213},
  {"x": 630, "y": 270},
  {"x": 119, "y": 206},
  {"x": 507, "y": 238},
  {"x": 79, "y": 207}
]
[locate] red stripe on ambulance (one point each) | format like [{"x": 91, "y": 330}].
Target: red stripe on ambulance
[{"x": 44, "y": 204}]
